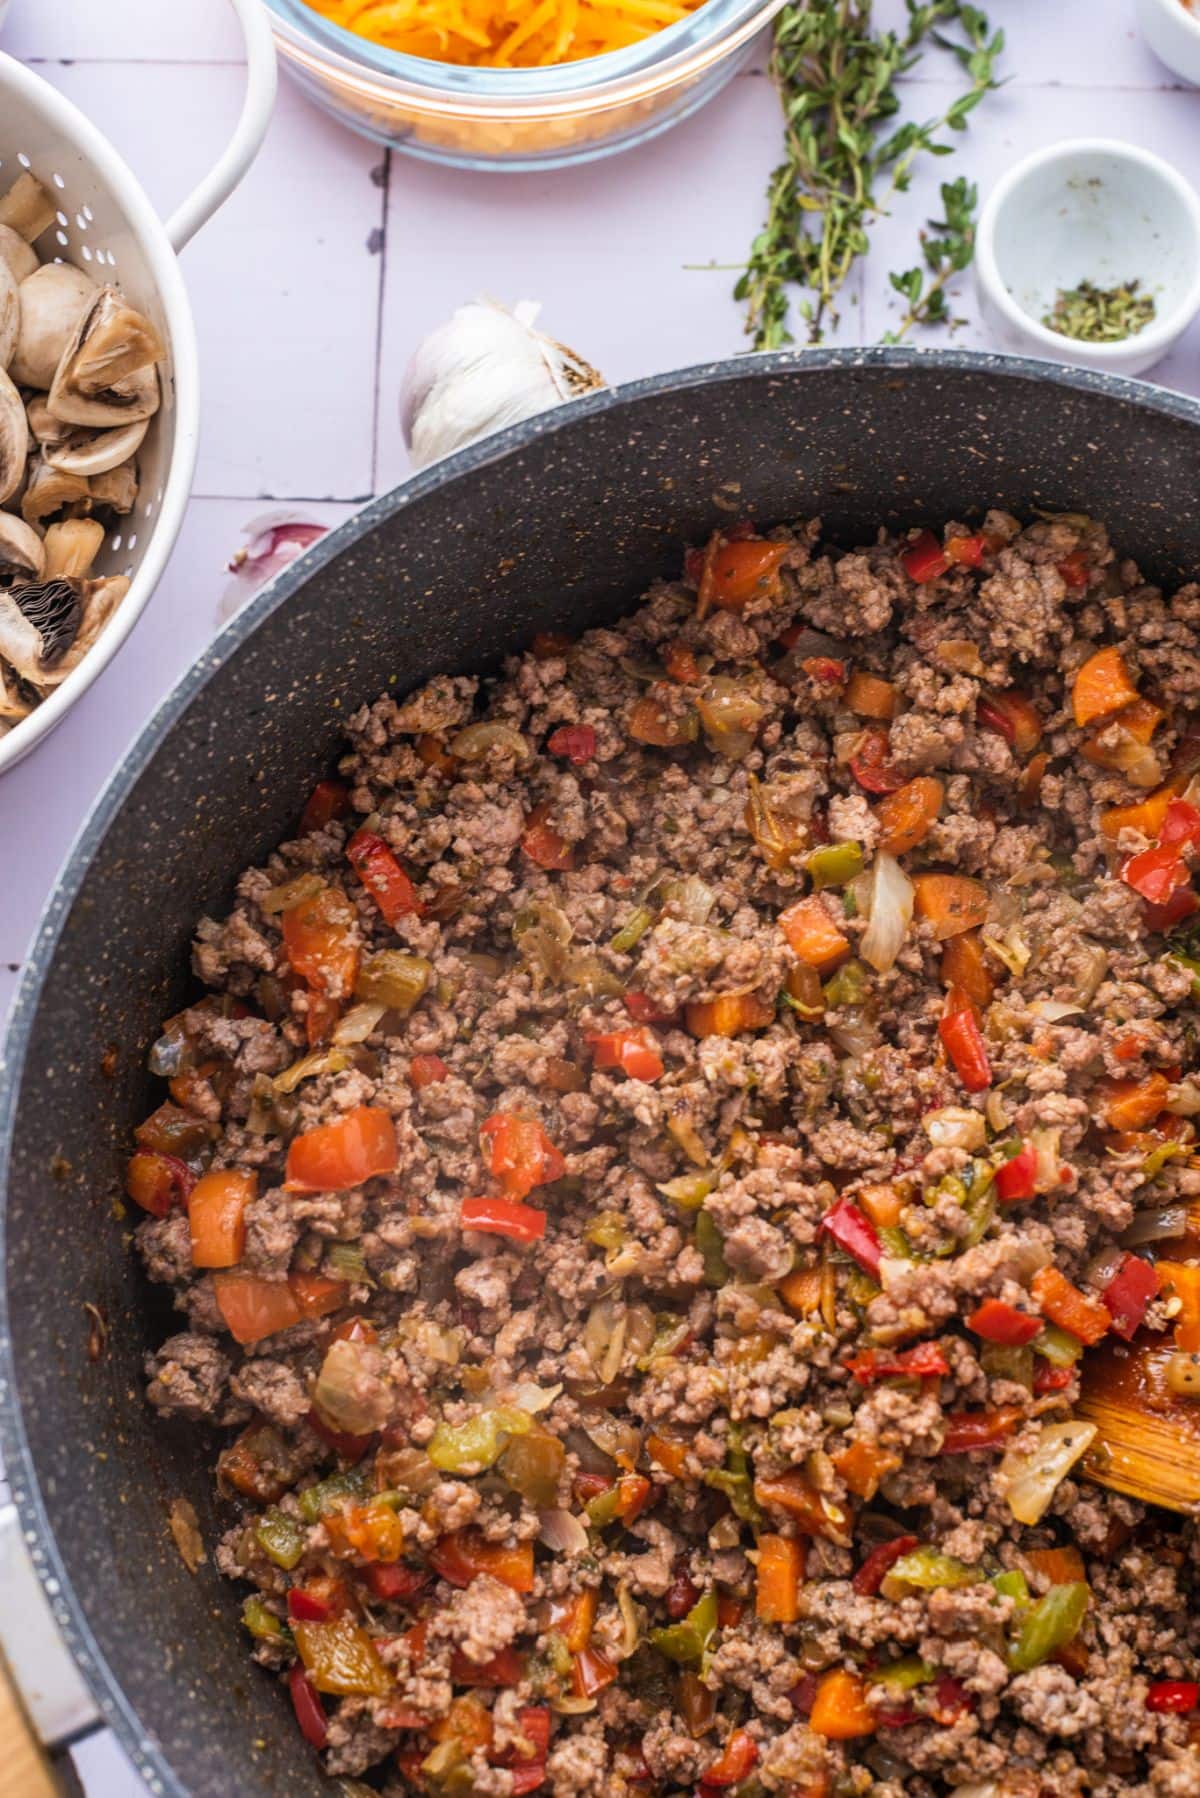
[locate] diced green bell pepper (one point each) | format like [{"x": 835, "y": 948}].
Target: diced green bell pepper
[
  {"x": 280, "y": 1537},
  {"x": 848, "y": 986},
  {"x": 1057, "y": 1346},
  {"x": 687, "y": 1640},
  {"x": 1012, "y": 1584},
  {"x": 328, "y": 1494},
  {"x": 925, "y": 1569},
  {"x": 712, "y": 1252},
  {"x": 263, "y": 1624},
  {"x": 1049, "y": 1625},
  {"x": 834, "y": 864},
  {"x": 904, "y": 1675}
]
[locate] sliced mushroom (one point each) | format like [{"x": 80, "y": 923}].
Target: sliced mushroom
[
  {"x": 14, "y": 439},
  {"x": 86, "y": 452},
  {"x": 38, "y": 626},
  {"x": 107, "y": 374},
  {"x": 10, "y": 314},
  {"x": 100, "y": 600},
  {"x": 49, "y": 490},
  {"x": 22, "y": 552},
  {"x": 27, "y": 208},
  {"x": 13, "y": 704},
  {"x": 52, "y": 302},
  {"x": 70, "y": 548},
  {"x": 117, "y": 489},
  {"x": 18, "y": 256},
  {"x": 48, "y": 431}
]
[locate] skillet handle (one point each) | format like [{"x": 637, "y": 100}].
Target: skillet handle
[{"x": 261, "y": 83}]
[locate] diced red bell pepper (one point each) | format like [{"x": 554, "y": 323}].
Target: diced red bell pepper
[
  {"x": 328, "y": 800},
  {"x": 1173, "y": 1696},
  {"x": 310, "y": 1712},
  {"x": 827, "y": 670},
  {"x": 577, "y": 742},
  {"x": 309, "y": 1607},
  {"x": 870, "y": 766},
  {"x": 924, "y": 558},
  {"x": 549, "y": 645},
  {"x": 321, "y": 938},
  {"x": 1051, "y": 1379},
  {"x": 681, "y": 1595},
  {"x": 853, "y": 1231},
  {"x": 924, "y": 1362},
  {"x": 997, "y": 1322},
  {"x": 1017, "y": 1178},
  {"x": 642, "y": 1007},
  {"x": 951, "y": 1699},
  {"x": 392, "y": 1581},
  {"x": 533, "y": 1721},
  {"x": 156, "y": 1182},
  {"x": 543, "y": 845},
  {"x": 505, "y": 1670},
  {"x": 528, "y": 1777},
  {"x": 634, "y": 1052},
  {"x": 967, "y": 1430},
  {"x": 336, "y": 1156},
  {"x": 591, "y": 1671},
  {"x": 1182, "y": 904},
  {"x": 521, "y": 1155},
  {"x": 681, "y": 664},
  {"x": 427, "y": 1070},
  {"x": 1156, "y": 873},
  {"x": 738, "y": 1758},
  {"x": 738, "y": 570},
  {"x": 504, "y": 1217},
  {"x": 1128, "y": 1295},
  {"x": 1181, "y": 824},
  {"x": 382, "y": 875},
  {"x": 870, "y": 1575},
  {"x": 964, "y": 1044},
  {"x": 1074, "y": 569}
]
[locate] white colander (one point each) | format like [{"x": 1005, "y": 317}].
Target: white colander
[{"x": 108, "y": 227}]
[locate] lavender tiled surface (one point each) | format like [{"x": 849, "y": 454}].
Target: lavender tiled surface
[{"x": 313, "y": 285}]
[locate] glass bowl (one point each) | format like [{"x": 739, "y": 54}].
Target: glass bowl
[{"x": 483, "y": 118}]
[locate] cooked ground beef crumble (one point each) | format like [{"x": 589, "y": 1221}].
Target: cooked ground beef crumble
[{"x": 656, "y": 1144}]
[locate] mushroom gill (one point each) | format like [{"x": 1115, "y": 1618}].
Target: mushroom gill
[
  {"x": 107, "y": 374},
  {"x": 38, "y": 626}
]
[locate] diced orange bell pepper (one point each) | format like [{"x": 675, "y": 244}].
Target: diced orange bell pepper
[
  {"x": 794, "y": 1494},
  {"x": 1140, "y": 720},
  {"x": 591, "y": 1672},
  {"x": 780, "y": 1570},
  {"x": 671, "y": 1456},
  {"x": 813, "y": 935},
  {"x": 1102, "y": 686},
  {"x": 520, "y": 1154},
  {"x": 1132, "y": 1104},
  {"x": 461, "y": 1556},
  {"x": 468, "y": 1722},
  {"x": 574, "y": 1618},
  {"x": 1180, "y": 1281},
  {"x": 254, "y": 1308},
  {"x": 907, "y": 816},
  {"x": 737, "y": 1760},
  {"x": 316, "y": 1294},
  {"x": 882, "y": 1204},
  {"x": 156, "y": 1182},
  {"x": 840, "y": 1710},
  {"x": 320, "y": 935},
  {"x": 658, "y": 720},
  {"x": 735, "y": 573},
  {"x": 964, "y": 965},
  {"x": 1013, "y": 717},
  {"x": 1147, "y": 816},
  {"x": 544, "y": 845},
  {"x": 952, "y": 903},
  {"x": 863, "y": 1465},
  {"x": 1061, "y": 1566},
  {"x": 373, "y": 1531},
  {"x": 871, "y": 697},
  {"x": 729, "y": 1015},
  {"x": 1069, "y": 1308},
  {"x": 336, "y": 1156},
  {"x": 340, "y": 1657},
  {"x": 217, "y": 1216}
]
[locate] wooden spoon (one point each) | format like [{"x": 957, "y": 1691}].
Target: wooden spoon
[{"x": 1148, "y": 1440}]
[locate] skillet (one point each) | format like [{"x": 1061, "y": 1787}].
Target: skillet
[{"x": 556, "y": 524}]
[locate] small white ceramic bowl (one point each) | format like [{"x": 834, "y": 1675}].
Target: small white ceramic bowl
[
  {"x": 1096, "y": 210},
  {"x": 1172, "y": 30}
]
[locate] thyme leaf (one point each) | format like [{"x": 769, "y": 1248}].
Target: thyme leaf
[
  {"x": 946, "y": 254},
  {"x": 836, "y": 78},
  {"x": 1101, "y": 314}
]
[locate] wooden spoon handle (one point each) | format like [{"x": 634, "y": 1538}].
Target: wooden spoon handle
[{"x": 25, "y": 1772}]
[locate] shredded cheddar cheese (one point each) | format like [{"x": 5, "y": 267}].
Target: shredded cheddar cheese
[{"x": 504, "y": 33}]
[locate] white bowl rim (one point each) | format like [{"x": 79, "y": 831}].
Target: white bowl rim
[
  {"x": 1180, "y": 8},
  {"x": 1162, "y": 331},
  {"x": 163, "y": 268}
]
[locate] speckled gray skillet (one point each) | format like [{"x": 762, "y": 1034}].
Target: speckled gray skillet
[{"x": 555, "y": 525}]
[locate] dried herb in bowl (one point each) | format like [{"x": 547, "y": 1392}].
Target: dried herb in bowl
[{"x": 1100, "y": 314}]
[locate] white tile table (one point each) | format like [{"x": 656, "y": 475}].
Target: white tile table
[{"x": 312, "y": 286}]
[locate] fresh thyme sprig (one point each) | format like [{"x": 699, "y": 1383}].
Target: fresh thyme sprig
[
  {"x": 836, "y": 79},
  {"x": 946, "y": 255}
]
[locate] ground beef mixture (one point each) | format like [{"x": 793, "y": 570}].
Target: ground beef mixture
[{"x": 660, "y": 1144}]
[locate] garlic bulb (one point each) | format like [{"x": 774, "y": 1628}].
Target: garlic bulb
[{"x": 485, "y": 368}]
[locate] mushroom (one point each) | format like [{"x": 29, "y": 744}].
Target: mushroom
[
  {"x": 13, "y": 704},
  {"x": 27, "y": 208},
  {"x": 22, "y": 552},
  {"x": 38, "y": 626},
  {"x": 47, "y": 430},
  {"x": 100, "y": 600},
  {"x": 49, "y": 490},
  {"x": 10, "y": 314},
  {"x": 18, "y": 256},
  {"x": 85, "y": 452},
  {"x": 107, "y": 374},
  {"x": 70, "y": 548},
  {"x": 52, "y": 301},
  {"x": 14, "y": 439},
  {"x": 117, "y": 489}
]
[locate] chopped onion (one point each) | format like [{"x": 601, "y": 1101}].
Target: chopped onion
[
  {"x": 358, "y": 1023},
  {"x": 632, "y": 1619},
  {"x": 1034, "y": 1478},
  {"x": 1091, "y": 966},
  {"x": 478, "y": 740},
  {"x": 542, "y": 933},
  {"x": 1159, "y": 1225},
  {"x": 961, "y": 654},
  {"x": 1103, "y": 1265},
  {"x": 1045, "y": 1142},
  {"x": 349, "y": 1394},
  {"x": 292, "y": 892},
  {"x": 691, "y": 897},
  {"x": 321, "y": 1061},
  {"x": 1184, "y": 1099},
  {"x": 1011, "y": 949},
  {"x": 855, "y": 1038},
  {"x": 1053, "y": 1011},
  {"x": 731, "y": 714},
  {"x": 531, "y": 1398},
  {"x": 682, "y": 1127},
  {"x": 955, "y": 1127},
  {"x": 563, "y": 1532},
  {"x": 891, "y": 914}
]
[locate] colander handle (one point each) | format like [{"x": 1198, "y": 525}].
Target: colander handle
[{"x": 243, "y": 147}]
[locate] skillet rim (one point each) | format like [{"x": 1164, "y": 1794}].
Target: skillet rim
[{"x": 117, "y": 1710}]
